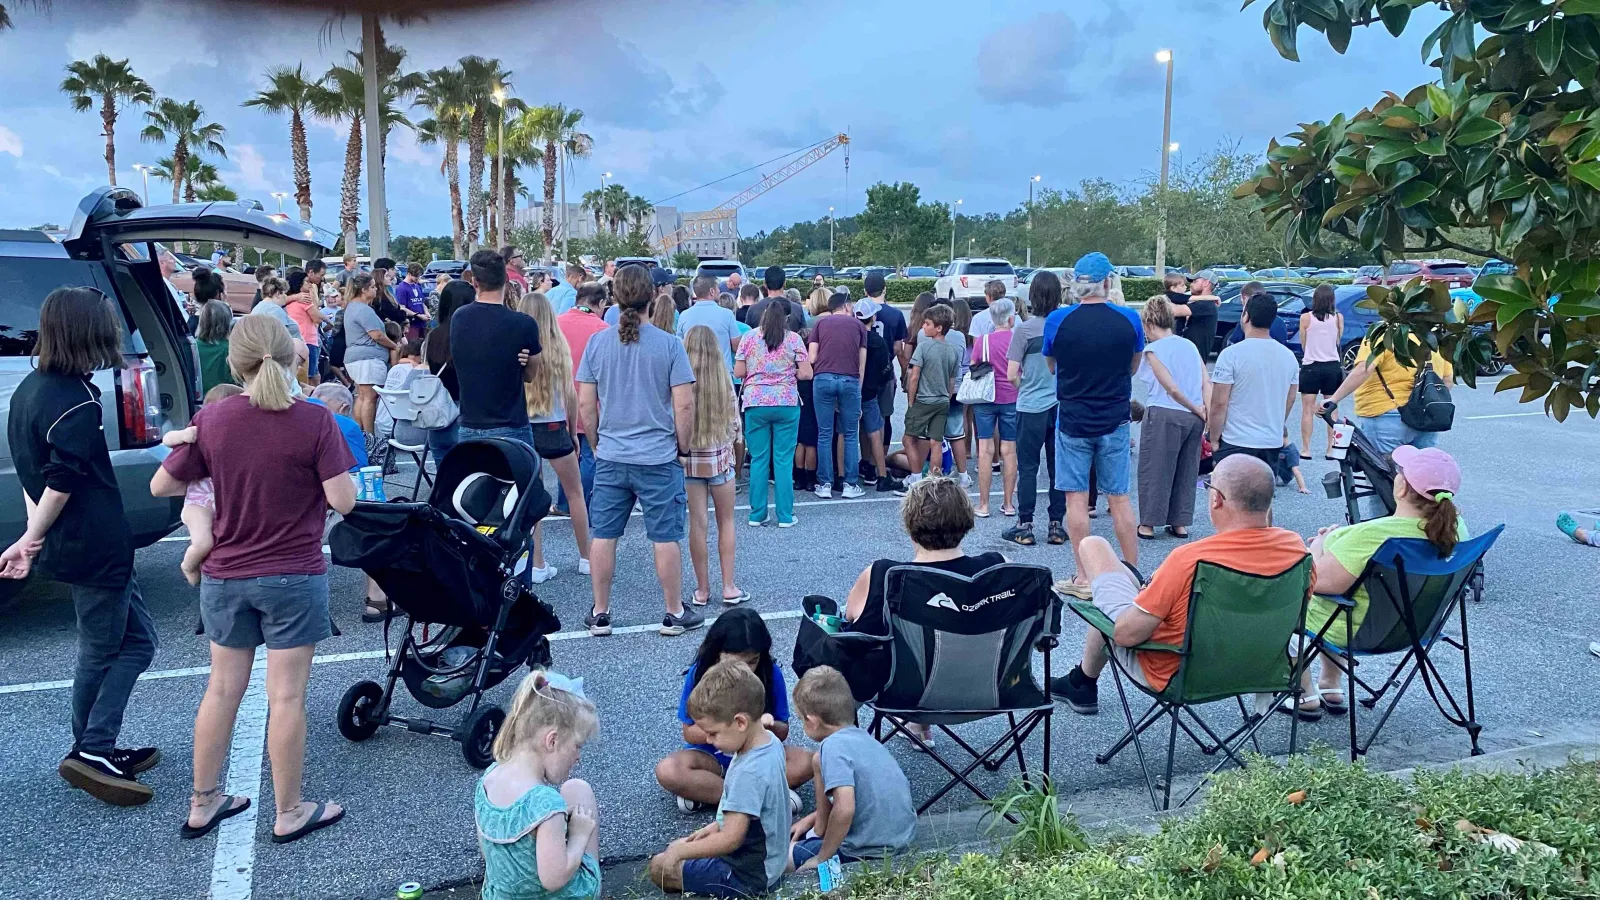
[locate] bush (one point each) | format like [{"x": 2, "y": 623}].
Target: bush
[{"x": 1313, "y": 827}]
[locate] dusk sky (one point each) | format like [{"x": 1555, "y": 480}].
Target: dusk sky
[{"x": 965, "y": 100}]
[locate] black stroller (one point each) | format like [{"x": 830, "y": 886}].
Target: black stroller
[
  {"x": 1364, "y": 472},
  {"x": 448, "y": 566}
]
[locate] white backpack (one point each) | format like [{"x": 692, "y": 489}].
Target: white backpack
[{"x": 434, "y": 407}]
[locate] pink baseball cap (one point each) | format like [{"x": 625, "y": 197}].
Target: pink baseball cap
[{"x": 1431, "y": 471}]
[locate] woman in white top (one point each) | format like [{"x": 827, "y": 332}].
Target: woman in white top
[
  {"x": 1321, "y": 329},
  {"x": 1174, "y": 420}
]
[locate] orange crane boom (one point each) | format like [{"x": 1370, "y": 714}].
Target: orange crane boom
[{"x": 703, "y": 223}]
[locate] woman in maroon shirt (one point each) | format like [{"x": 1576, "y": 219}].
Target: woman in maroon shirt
[{"x": 277, "y": 465}]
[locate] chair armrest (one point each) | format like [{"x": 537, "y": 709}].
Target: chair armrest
[
  {"x": 1340, "y": 600},
  {"x": 1160, "y": 648},
  {"x": 1102, "y": 623}
]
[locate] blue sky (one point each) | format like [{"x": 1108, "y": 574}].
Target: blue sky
[{"x": 966, "y": 100}]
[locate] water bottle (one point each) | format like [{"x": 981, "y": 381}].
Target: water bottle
[
  {"x": 829, "y": 875},
  {"x": 372, "y": 484},
  {"x": 947, "y": 460}
]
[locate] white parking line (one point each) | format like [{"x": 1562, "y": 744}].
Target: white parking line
[
  {"x": 233, "y": 863},
  {"x": 1507, "y": 415}
]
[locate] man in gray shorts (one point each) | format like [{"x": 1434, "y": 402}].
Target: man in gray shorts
[{"x": 1239, "y": 495}]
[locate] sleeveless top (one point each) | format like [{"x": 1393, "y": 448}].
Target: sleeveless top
[
  {"x": 510, "y": 858},
  {"x": 1321, "y": 340},
  {"x": 875, "y": 614}
]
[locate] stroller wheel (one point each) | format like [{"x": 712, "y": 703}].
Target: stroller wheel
[
  {"x": 356, "y": 710},
  {"x": 478, "y": 734}
]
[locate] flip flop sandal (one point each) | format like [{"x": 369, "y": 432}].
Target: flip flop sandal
[
  {"x": 981, "y": 513},
  {"x": 1174, "y": 532},
  {"x": 1331, "y": 707},
  {"x": 744, "y": 595},
  {"x": 315, "y": 823},
  {"x": 695, "y": 599},
  {"x": 225, "y": 810},
  {"x": 1305, "y": 714},
  {"x": 1146, "y": 537},
  {"x": 1008, "y": 513},
  {"x": 376, "y": 612}
]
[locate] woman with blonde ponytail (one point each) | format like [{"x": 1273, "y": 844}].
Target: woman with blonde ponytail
[
  {"x": 278, "y": 465},
  {"x": 1425, "y": 489}
]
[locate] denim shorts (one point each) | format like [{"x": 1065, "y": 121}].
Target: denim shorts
[
  {"x": 1108, "y": 453},
  {"x": 715, "y": 878},
  {"x": 955, "y": 424},
  {"x": 1389, "y": 431},
  {"x": 657, "y": 488},
  {"x": 523, "y": 433},
  {"x": 713, "y": 481},
  {"x": 807, "y": 849},
  {"x": 986, "y": 416},
  {"x": 871, "y": 415},
  {"x": 281, "y": 611}
]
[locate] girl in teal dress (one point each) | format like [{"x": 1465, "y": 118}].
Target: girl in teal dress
[{"x": 536, "y": 827}]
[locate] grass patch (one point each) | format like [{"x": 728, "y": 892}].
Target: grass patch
[{"x": 1312, "y": 827}]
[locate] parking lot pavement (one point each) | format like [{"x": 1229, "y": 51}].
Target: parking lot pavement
[{"x": 409, "y": 796}]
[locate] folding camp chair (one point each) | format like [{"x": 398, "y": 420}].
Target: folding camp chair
[
  {"x": 402, "y": 417},
  {"x": 961, "y": 650},
  {"x": 1412, "y": 594},
  {"x": 1240, "y": 630}
]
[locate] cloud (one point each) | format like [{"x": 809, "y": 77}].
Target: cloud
[
  {"x": 9, "y": 142},
  {"x": 1027, "y": 62},
  {"x": 249, "y": 170},
  {"x": 152, "y": 39}
]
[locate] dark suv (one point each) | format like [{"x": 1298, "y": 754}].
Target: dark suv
[{"x": 111, "y": 246}]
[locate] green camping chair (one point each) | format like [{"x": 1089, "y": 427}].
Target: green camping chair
[{"x": 1240, "y": 629}]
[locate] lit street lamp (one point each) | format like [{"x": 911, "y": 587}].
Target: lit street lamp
[
  {"x": 953, "y": 230},
  {"x": 278, "y": 196},
  {"x": 603, "y": 177},
  {"x": 1031, "y": 182},
  {"x": 1167, "y": 149},
  {"x": 144, "y": 170},
  {"x": 830, "y": 235}
]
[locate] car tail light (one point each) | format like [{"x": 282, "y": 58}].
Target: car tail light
[
  {"x": 963, "y": 281},
  {"x": 139, "y": 404}
]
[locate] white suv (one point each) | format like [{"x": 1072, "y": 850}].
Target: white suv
[
  {"x": 964, "y": 279},
  {"x": 719, "y": 269}
]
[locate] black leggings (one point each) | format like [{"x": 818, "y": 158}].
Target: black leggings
[{"x": 1035, "y": 432}]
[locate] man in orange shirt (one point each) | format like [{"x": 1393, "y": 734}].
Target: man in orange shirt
[
  {"x": 584, "y": 320},
  {"x": 1240, "y": 499}
]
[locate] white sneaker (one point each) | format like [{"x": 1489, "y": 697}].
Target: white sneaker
[
  {"x": 794, "y": 804},
  {"x": 685, "y": 805},
  {"x": 789, "y": 524},
  {"x": 823, "y": 492},
  {"x": 852, "y": 491},
  {"x": 966, "y": 480},
  {"x": 583, "y": 566},
  {"x": 540, "y": 576}
]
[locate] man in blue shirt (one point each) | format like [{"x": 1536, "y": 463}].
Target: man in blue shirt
[
  {"x": 1094, "y": 348},
  {"x": 1279, "y": 332},
  {"x": 565, "y": 293}
]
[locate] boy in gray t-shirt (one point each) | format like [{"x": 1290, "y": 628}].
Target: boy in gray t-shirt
[
  {"x": 745, "y": 851},
  {"x": 864, "y": 808}
]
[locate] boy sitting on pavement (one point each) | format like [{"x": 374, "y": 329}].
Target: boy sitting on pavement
[
  {"x": 864, "y": 808},
  {"x": 744, "y": 853}
]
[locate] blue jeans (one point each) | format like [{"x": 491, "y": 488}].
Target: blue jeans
[
  {"x": 116, "y": 642},
  {"x": 585, "y": 473},
  {"x": 1109, "y": 454},
  {"x": 523, "y": 433},
  {"x": 440, "y": 440},
  {"x": 841, "y": 394},
  {"x": 1388, "y": 432}
]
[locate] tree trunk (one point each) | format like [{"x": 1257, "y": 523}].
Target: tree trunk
[
  {"x": 302, "y": 164},
  {"x": 452, "y": 169},
  {"x": 180, "y": 163},
  {"x": 350, "y": 190},
  {"x": 508, "y": 203},
  {"x": 476, "y": 138},
  {"x": 493, "y": 235},
  {"x": 108, "y": 116},
  {"x": 549, "y": 225}
]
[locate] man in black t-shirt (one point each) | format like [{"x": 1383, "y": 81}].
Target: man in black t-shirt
[
  {"x": 495, "y": 351},
  {"x": 774, "y": 279},
  {"x": 879, "y": 372},
  {"x": 891, "y": 325}
]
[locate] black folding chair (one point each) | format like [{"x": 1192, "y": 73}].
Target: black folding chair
[
  {"x": 1237, "y": 643},
  {"x": 962, "y": 651},
  {"x": 1413, "y": 592}
]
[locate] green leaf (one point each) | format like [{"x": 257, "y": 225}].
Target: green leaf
[
  {"x": 1510, "y": 188},
  {"x": 1547, "y": 41},
  {"x": 1514, "y": 230},
  {"x": 1503, "y": 289},
  {"x": 1283, "y": 39},
  {"x": 1395, "y": 16},
  {"x": 1574, "y": 310},
  {"x": 1376, "y": 128},
  {"x": 1339, "y": 34},
  {"x": 1433, "y": 146},
  {"x": 1390, "y": 151},
  {"x": 1523, "y": 12},
  {"x": 1443, "y": 106},
  {"x": 1476, "y": 130},
  {"x": 1509, "y": 312},
  {"x": 1588, "y": 173},
  {"x": 1581, "y": 7},
  {"x": 1434, "y": 37},
  {"x": 1339, "y": 209},
  {"x": 1413, "y": 192}
]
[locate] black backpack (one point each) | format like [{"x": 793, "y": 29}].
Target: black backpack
[{"x": 1429, "y": 408}]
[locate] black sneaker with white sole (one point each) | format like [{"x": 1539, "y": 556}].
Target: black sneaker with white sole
[
  {"x": 101, "y": 778},
  {"x": 599, "y": 623},
  {"x": 135, "y": 760},
  {"x": 1080, "y": 692},
  {"x": 688, "y": 620}
]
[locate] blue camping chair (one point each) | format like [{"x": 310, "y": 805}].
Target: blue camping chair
[{"x": 1413, "y": 593}]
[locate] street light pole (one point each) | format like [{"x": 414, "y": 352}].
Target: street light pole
[
  {"x": 830, "y": 235},
  {"x": 144, "y": 170},
  {"x": 497, "y": 189},
  {"x": 1164, "y": 56},
  {"x": 278, "y": 196},
  {"x": 1031, "y": 183},
  {"x": 377, "y": 207},
  {"x": 953, "y": 230}
]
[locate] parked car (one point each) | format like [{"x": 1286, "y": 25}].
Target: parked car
[
  {"x": 807, "y": 273},
  {"x": 965, "y": 280},
  {"x": 1279, "y": 272},
  {"x": 916, "y": 272},
  {"x": 1230, "y": 273},
  {"x": 659, "y": 274},
  {"x": 1290, "y": 297},
  {"x": 1023, "y": 272},
  {"x": 848, "y": 272},
  {"x": 1369, "y": 275},
  {"x": 238, "y": 289},
  {"x": 451, "y": 267},
  {"x": 1331, "y": 273},
  {"x": 1137, "y": 271},
  {"x": 720, "y": 269},
  {"x": 1449, "y": 271},
  {"x": 1025, "y": 286},
  {"x": 112, "y": 245}
]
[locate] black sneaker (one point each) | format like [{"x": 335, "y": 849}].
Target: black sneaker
[
  {"x": 688, "y": 620},
  {"x": 887, "y": 485},
  {"x": 1080, "y": 692},
  {"x": 136, "y": 760},
  {"x": 103, "y": 779},
  {"x": 599, "y": 623}
]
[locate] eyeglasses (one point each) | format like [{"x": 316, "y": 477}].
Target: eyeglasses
[{"x": 1211, "y": 487}]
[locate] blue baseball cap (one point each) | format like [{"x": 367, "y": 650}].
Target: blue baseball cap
[{"x": 1092, "y": 268}]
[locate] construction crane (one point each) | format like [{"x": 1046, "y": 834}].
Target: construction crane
[{"x": 713, "y": 220}]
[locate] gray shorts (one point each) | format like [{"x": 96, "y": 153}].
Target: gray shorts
[
  {"x": 1114, "y": 594},
  {"x": 281, "y": 611}
]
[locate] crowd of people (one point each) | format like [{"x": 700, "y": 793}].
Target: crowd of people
[{"x": 665, "y": 400}]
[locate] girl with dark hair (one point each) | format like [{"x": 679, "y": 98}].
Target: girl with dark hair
[
  {"x": 1321, "y": 330},
  {"x": 1027, "y": 368},
  {"x": 211, "y": 344},
  {"x": 680, "y": 298},
  {"x": 694, "y": 774},
  {"x": 436, "y": 355},
  {"x": 770, "y": 363},
  {"x": 77, "y": 530}
]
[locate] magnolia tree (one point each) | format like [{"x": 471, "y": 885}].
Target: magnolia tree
[{"x": 1499, "y": 158}]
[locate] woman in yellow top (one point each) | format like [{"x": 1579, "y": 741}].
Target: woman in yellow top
[{"x": 1381, "y": 385}]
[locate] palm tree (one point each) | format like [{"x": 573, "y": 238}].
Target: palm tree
[
  {"x": 289, "y": 91},
  {"x": 111, "y": 81},
  {"x": 639, "y": 209},
  {"x": 556, "y": 127},
  {"x": 594, "y": 202},
  {"x": 445, "y": 95},
  {"x": 180, "y": 124},
  {"x": 518, "y": 150},
  {"x": 615, "y": 202},
  {"x": 342, "y": 95},
  {"x": 483, "y": 77},
  {"x": 216, "y": 191}
]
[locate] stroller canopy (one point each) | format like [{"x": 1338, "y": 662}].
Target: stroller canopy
[{"x": 493, "y": 485}]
